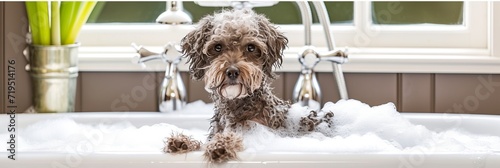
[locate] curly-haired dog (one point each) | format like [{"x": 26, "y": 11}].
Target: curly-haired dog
[{"x": 234, "y": 53}]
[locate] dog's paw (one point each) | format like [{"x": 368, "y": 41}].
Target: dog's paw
[
  {"x": 276, "y": 121},
  {"x": 223, "y": 148},
  {"x": 307, "y": 124},
  {"x": 180, "y": 143},
  {"x": 310, "y": 123}
]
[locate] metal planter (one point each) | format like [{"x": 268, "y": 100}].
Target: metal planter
[{"x": 54, "y": 72}]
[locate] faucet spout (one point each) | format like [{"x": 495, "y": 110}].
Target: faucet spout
[
  {"x": 172, "y": 94},
  {"x": 337, "y": 69},
  {"x": 172, "y": 91},
  {"x": 306, "y": 85},
  {"x": 305, "y": 13}
]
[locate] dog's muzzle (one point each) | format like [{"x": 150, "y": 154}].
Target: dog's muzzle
[{"x": 233, "y": 81}]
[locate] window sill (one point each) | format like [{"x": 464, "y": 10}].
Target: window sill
[{"x": 459, "y": 61}]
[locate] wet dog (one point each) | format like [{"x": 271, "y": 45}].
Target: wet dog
[{"x": 234, "y": 53}]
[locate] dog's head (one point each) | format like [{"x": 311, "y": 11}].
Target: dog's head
[{"x": 233, "y": 52}]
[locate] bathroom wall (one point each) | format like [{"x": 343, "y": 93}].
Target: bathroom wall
[
  {"x": 137, "y": 91},
  {"x": 13, "y": 29},
  {"x": 459, "y": 93}
]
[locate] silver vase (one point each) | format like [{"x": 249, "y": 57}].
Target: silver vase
[{"x": 54, "y": 71}]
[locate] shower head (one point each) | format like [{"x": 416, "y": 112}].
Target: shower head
[{"x": 174, "y": 14}]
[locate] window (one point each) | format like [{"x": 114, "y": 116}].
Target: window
[
  {"x": 109, "y": 12},
  {"x": 427, "y": 37}
]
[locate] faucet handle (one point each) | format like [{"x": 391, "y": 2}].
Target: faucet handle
[
  {"x": 173, "y": 53},
  {"x": 337, "y": 56},
  {"x": 145, "y": 55}
]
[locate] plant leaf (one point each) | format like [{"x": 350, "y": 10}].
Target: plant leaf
[
  {"x": 43, "y": 20},
  {"x": 82, "y": 16},
  {"x": 33, "y": 20},
  {"x": 69, "y": 12},
  {"x": 55, "y": 23}
]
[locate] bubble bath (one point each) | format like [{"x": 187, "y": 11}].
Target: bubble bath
[{"x": 358, "y": 128}]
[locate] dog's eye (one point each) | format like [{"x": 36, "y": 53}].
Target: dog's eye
[
  {"x": 218, "y": 48},
  {"x": 251, "y": 48}
]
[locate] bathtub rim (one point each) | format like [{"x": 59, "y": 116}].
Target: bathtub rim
[{"x": 158, "y": 159}]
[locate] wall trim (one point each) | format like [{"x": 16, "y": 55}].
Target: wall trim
[{"x": 459, "y": 61}]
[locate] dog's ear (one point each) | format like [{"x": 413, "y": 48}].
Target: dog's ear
[
  {"x": 276, "y": 42},
  {"x": 192, "y": 47}
]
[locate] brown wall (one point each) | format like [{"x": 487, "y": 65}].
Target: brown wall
[
  {"x": 478, "y": 93},
  {"x": 14, "y": 28},
  {"x": 138, "y": 91}
]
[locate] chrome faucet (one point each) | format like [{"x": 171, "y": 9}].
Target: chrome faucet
[
  {"x": 172, "y": 92},
  {"x": 307, "y": 89}
]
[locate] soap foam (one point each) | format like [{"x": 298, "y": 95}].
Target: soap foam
[
  {"x": 66, "y": 135},
  {"x": 358, "y": 128}
]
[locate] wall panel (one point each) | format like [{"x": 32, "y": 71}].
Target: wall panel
[
  {"x": 417, "y": 93},
  {"x": 476, "y": 94},
  {"x": 373, "y": 89},
  {"x": 119, "y": 91}
]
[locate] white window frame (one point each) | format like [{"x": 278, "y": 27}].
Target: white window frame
[{"x": 106, "y": 47}]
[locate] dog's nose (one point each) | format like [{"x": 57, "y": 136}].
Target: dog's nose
[{"x": 232, "y": 73}]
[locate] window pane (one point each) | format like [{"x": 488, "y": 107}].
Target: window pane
[
  {"x": 126, "y": 12},
  {"x": 447, "y": 13},
  {"x": 277, "y": 14},
  {"x": 147, "y": 12},
  {"x": 340, "y": 12},
  {"x": 289, "y": 13}
]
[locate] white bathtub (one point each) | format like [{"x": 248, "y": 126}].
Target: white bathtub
[{"x": 478, "y": 124}]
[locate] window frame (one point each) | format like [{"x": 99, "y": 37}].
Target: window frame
[{"x": 389, "y": 52}]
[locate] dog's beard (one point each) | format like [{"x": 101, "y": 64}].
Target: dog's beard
[{"x": 216, "y": 81}]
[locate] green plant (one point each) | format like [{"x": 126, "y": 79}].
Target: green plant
[{"x": 58, "y": 23}]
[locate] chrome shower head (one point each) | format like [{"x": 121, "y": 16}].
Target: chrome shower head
[{"x": 174, "y": 14}]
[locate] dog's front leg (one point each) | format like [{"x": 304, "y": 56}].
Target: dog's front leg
[{"x": 223, "y": 147}]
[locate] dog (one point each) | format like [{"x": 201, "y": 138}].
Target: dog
[{"x": 234, "y": 53}]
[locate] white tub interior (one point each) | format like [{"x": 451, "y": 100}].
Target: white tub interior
[{"x": 132, "y": 151}]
